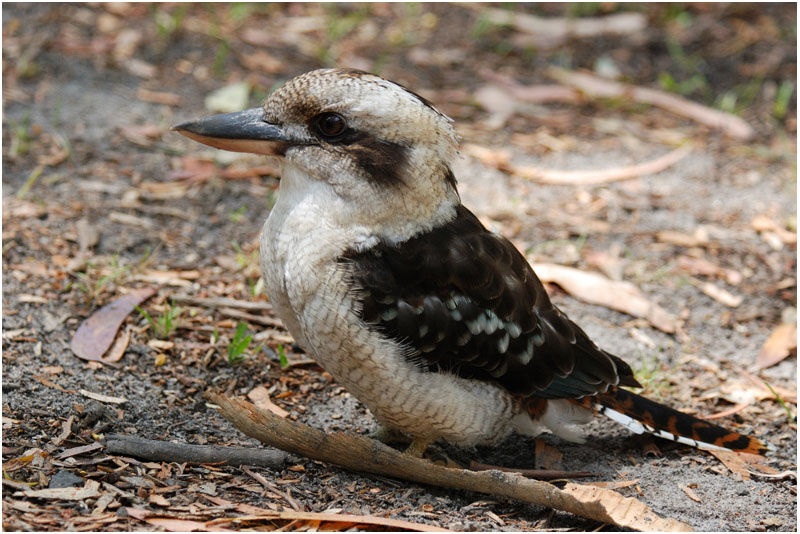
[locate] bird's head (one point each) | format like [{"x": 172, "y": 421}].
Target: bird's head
[{"x": 367, "y": 142}]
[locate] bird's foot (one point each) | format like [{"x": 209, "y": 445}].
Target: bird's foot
[
  {"x": 418, "y": 447},
  {"x": 388, "y": 435}
]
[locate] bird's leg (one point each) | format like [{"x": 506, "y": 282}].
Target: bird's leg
[
  {"x": 387, "y": 435},
  {"x": 418, "y": 447}
]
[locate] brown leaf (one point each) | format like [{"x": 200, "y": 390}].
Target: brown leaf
[
  {"x": 751, "y": 390},
  {"x": 103, "y": 398},
  {"x": 89, "y": 491},
  {"x": 691, "y": 494},
  {"x": 622, "y": 511},
  {"x": 617, "y": 295},
  {"x": 158, "y": 500},
  {"x": 117, "y": 350},
  {"x": 66, "y": 430},
  {"x": 780, "y": 344},
  {"x": 96, "y": 333},
  {"x": 734, "y": 462},
  {"x": 719, "y": 294},
  {"x": 260, "y": 397}
]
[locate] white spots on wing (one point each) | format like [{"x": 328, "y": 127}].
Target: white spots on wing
[
  {"x": 423, "y": 329},
  {"x": 488, "y": 323},
  {"x": 476, "y": 326},
  {"x": 389, "y": 314},
  {"x": 502, "y": 345},
  {"x": 526, "y": 356},
  {"x": 513, "y": 329}
]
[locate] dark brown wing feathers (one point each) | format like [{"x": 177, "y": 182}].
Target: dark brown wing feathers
[{"x": 465, "y": 300}]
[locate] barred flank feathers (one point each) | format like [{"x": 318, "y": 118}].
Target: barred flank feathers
[{"x": 640, "y": 414}]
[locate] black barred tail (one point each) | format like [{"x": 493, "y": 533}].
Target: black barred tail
[{"x": 640, "y": 414}]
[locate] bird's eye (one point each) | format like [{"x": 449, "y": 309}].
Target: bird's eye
[{"x": 330, "y": 125}]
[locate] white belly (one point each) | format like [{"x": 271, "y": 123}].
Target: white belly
[{"x": 311, "y": 294}]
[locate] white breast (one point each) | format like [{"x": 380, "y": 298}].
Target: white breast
[{"x": 312, "y": 295}]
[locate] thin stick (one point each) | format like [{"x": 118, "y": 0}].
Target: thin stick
[
  {"x": 221, "y": 302},
  {"x": 165, "y": 451},
  {"x": 602, "y": 176},
  {"x": 538, "y": 474},
  {"x": 258, "y": 319},
  {"x": 598, "y": 87},
  {"x": 360, "y": 453}
]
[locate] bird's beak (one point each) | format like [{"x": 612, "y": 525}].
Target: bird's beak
[{"x": 243, "y": 131}]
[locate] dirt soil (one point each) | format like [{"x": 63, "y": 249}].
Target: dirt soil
[{"x": 99, "y": 198}]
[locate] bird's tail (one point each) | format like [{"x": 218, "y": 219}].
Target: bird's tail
[{"x": 640, "y": 414}]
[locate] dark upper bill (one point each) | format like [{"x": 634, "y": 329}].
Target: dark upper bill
[{"x": 243, "y": 131}]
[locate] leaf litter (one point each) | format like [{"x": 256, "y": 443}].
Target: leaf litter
[{"x": 33, "y": 228}]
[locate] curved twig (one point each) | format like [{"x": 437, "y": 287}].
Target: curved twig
[{"x": 360, "y": 453}]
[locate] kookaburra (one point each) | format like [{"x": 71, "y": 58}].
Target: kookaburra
[{"x": 439, "y": 326}]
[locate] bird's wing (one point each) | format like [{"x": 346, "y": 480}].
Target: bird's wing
[{"x": 464, "y": 300}]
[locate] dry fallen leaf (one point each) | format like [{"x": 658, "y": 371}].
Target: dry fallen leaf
[
  {"x": 622, "y": 511},
  {"x": 617, "y": 295},
  {"x": 260, "y": 397},
  {"x": 96, "y": 333},
  {"x": 690, "y": 493},
  {"x": 748, "y": 390},
  {"x": 117, "y": 350},
  {"x": 780, "y": 344},
  {"x": 89, "y": 491},
  {"x": 719, "y": 294},
  {"x": 103, "y": 398},
  {"x": 734, "y": 462}
]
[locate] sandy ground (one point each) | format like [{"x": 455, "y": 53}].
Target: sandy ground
[{"x": 717, "y": 187}]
